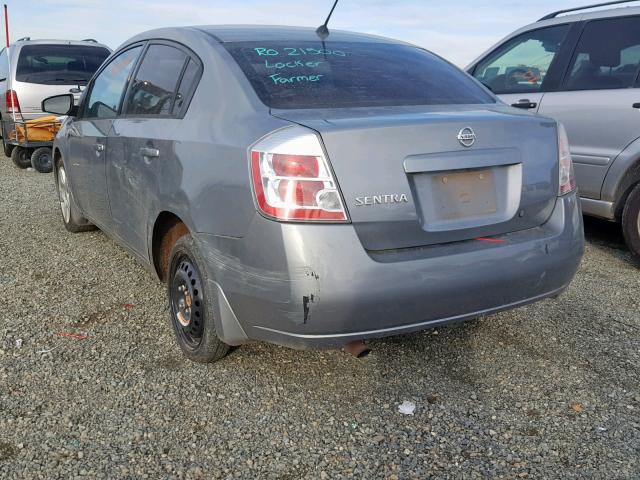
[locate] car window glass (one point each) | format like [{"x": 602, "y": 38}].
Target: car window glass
[
  {"x": 520, "y": 66},
  {"x": 189, "y": 78},
  {"x": 154, "y": 88},
  {"x": 341, "y": 74},
  {"x": 607, "y": 55},
  {"x": 109, "y": 85},
  {"x": 59, "y": 64}
]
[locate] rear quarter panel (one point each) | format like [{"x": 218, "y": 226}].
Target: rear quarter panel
[{"x": 205, "y": 180}]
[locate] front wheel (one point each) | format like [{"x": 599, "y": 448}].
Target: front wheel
[
  {"x": 631, "y": 222},
  {"x": 190, "y": 301},
  {"x": 71, "y": 216}
]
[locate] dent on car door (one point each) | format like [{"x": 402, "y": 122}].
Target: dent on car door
[
  {"x": 87, "y": 145},
  {"x": 595, "y": 102},
  {"x": 89, "y": 137},
  {"x": 520, "y": 70},
  {"x": 145, "y": 137}
]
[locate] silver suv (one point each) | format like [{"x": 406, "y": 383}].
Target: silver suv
[
  {"x": 32, "y": 70},
  {"x": 582, "y": 69}
]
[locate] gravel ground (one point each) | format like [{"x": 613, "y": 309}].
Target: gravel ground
[{"x": 550, "y": 390}]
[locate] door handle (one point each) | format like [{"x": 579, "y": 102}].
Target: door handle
[
  {"x": 98, "y": 147},
  {"x": 149, "y": 152},
  {"x": 525, "y": 104},
  {"x": 636, "y": 105}
]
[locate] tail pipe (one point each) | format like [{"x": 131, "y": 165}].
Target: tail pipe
[{"x": 358, "y": 349}]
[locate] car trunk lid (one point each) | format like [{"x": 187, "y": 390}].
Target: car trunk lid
[{"x": 408, "y": 180}]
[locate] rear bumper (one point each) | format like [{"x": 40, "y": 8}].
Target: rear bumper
[{"x": 309, "y": 286}]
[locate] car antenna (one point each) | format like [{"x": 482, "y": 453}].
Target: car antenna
[{"x": 322, "y": 30}]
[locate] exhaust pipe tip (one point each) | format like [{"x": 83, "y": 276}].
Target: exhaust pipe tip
[{"x": 357, "y": 349}]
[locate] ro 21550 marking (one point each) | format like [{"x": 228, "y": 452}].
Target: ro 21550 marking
[
  {"x": 381, "y": 199},
  {"x": 293, "y": 52}
]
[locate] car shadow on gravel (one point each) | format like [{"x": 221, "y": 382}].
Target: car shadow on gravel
[{"x": 603, "y": 232}]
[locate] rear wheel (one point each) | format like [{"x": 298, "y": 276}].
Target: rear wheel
[
  {"x": 7, "y": 149},
  {"x": 21, "y": 157},
  {"x": 190, "y": 301},
  {"x": 71, "y": 216},
  {"x": 631, "y": 222},
  {"x": 41, "y": 160}
]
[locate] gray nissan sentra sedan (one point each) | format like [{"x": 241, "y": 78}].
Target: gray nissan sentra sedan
[{"x": 315, "y": 193}]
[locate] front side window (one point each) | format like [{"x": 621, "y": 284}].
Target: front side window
[
  {"x": 521, "y": 65},
  {"x": 607, "y": 55},
  {"x": 153, "y": 90},
  {"x": 337, "y": 74},
  {"x": 108, "y": 87},
  {"x": 59, "y": 64}
]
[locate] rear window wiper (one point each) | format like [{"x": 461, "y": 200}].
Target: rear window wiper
[{"x": 70, "y": 80}]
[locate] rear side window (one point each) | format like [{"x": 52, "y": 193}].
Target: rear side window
[
  {"x": 188, "y": 84},
  {"x": 310, "y": 74},
  {"x": 521, "y": 64},
  {"x": 153, "y": 91},
  {"x": 59, "y": 64},
  {"x": 607, "y": 55}
]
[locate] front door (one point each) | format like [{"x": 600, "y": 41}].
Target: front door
[
  {"x": 87, "y": 157},
  {"x": 597, "y": 97},
  {"x": 89, "y": 137}
]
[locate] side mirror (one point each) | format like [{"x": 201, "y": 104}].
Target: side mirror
[{"x": 60, "y": 105}]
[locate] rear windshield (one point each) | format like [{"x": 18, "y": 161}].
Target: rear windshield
[
  {"x": 59, "y": 64},
  {"x": 308, "y": 74}
]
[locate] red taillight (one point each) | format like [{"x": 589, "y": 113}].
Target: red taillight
[
  {"x": 295, "y": 165},
  {"x": 567, "y": 178},
  {"x": 297, "y": 185},
  {"x": 11, "y": 99}
]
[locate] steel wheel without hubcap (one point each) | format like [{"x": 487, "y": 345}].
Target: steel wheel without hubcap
[
  {"x": 187, "y": 302},
  {"x": 42, "y": 160},
  {"x": 64, "y": 195}
]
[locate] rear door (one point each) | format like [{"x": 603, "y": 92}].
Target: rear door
[
  {"x": 88, "y": 136},
  {"x": 522, "y": 69},
  {"x": 596, "y": 98},
  {"x": 144, "y": 138}
]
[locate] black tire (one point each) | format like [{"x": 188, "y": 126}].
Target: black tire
[
  {"x": 191, "y": 304},
  {"x": 7, "y": 148},
  {"x": 71, "y": 216},
  {"x": 42, "y": 160},
  {"x": 631, "y": 222},
  {"x": 21, "y": 157}
]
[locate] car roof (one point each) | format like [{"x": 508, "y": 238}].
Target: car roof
[
  {"x": 249, "y": 33},
  {"x": 586, "y": 15},
  {"x": 44, "y": 41}
]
